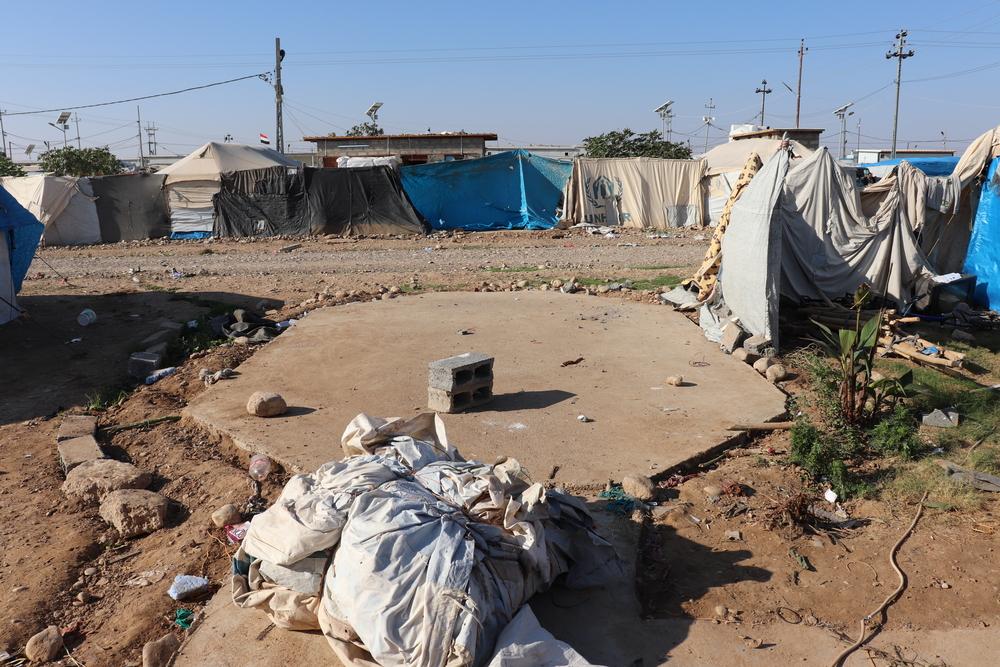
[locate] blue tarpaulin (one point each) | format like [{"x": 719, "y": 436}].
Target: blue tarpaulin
[
  {"x": 931, "y": 166},
  {"x": 983, "y": 256},
  {"x": 511, "y": 190},
  {"x": 21, "y": 231}
]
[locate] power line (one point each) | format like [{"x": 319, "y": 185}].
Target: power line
[{"x": 136, "y": 99}]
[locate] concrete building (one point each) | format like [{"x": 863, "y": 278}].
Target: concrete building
[
  {"x": 543, "y": 150},
  {"x": 807, "y": 136},
  {"x": 411, "y": 148},
  {"x": 873, "y": 155}
]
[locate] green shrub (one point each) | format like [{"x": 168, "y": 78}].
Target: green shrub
[{"x": 896, "y": 434}]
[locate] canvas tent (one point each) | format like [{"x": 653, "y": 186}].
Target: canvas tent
[
  {"x": 359, "y": 201},
  {"x": 983, "y": 256},
  {"x": 193, "y": 181},
  {"x": 130, "y": 207},
  {"x": 64, "y": 204},
  {"x": 931, "y": 166},
  {"x": 802, "y": 233},
  {"x": 20, "y": 232},
  {"x": 635, "y": 192},
  {"x": 724, "y": 162},
  {"x": 510, "y": 190}
]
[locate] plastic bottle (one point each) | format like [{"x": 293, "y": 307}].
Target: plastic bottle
[
  {"x": 260, "y": 467},
  {"x": 86, "y": 317},
  {"x": 158, "y": 375}
]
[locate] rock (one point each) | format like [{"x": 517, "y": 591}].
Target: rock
[
  {"x": 556, "y": 283},
  {"x": 744, "y": 355},
  {"x": 241, "y": 340},
  {"x": 290, "y": 247},
  {"x": 266, "y": 404},
  {"x": 386, "y": 296},
  {"x": 963, "y": 336},
  {"x": 340, "y": 294},
  {"x": 638, "y": 486},
  {"x": 90, "y": 481},
  {"x": 603, "y": 289},
  {"x": 946, "y": 418},
  {"x": 394, "y": 290},
  {"x": 74, "y": 451},
  {"x": 762, "y": 364},
  {"x": 90, "y": 571},
  {"x": 159, "y": 653},
  {"x": 134, "y": 512},
  {"x": 45, "y": 646},
  {"x": 76, "y": 426},
  {"x": 720, "y": 610},
  {"x": 83, "y": 597},
  {"x": 226, "y": 515},
  {"x": 734, "y": 535},
  {"x": 732, "y": 337},
  {"x": 521, "y": 284},
  {"x": 712, "y": 492},
  {"x": 758, "y": 345},
  {"x": 675, "y": 380},
  {"x": 776, "y": 373}
]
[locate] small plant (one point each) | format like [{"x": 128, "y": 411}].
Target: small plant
[
  {"x": 896, "y": 434},
  {"x": 108, "y": 397}
]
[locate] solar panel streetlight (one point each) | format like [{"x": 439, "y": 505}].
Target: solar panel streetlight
[
  {"x": 62, "y": 125},
  {"x": 373, "y": 111},
  {"x": 842, "y": 114},
  {"x": 666, "y": 115}
]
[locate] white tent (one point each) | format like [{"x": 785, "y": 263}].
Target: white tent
[
  {"x": 192, "y": 181},
  {"x": 64, "y": 204},
  {"x": 723, "y": 165}
]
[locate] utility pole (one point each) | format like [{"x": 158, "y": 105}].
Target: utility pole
[
  {"x": 708, "y": 120},
  {"x": 3, "y": 138},
  {"x": 858, "y": 149},
  {"x": 138, "y": 122},
  {"x": 76, "y": 117},
  {"x": 900, "y": 56},
  {"x": 798, "y": 90},
  {"x": 151, "y": 136},
  {"x": 764, "y": 92},
  {"x": 279, "y": 132}
]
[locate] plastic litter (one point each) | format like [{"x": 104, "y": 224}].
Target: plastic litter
[
  {"x": 260, "y": 467},
  {"x": 158, "y": 375},
  {"x": 86, "y": 317},
  {"x": 187, "y": 586},
  {"x": 183, "y": 618}
]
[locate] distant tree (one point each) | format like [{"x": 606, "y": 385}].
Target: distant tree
[
  {"x": 9, "y": 168},
  {"x": 626, "y": 143},
  {"x": 368, "y": 129},
  {"x": 69, "y": 161}
]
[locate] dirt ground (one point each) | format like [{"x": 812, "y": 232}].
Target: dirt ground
[{"x": 688, "y": 567}]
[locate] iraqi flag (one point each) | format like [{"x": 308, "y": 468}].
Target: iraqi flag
[{"x": 264, "y": 139}]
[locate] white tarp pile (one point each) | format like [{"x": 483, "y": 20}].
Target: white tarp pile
[
  {"x": 802, "y": 232},
  {"x": 646, "y": 193},
  {"x": 347, "y": 162},
  {"x": 64, "y": 204},
  {"x": 404, "y": 553}
]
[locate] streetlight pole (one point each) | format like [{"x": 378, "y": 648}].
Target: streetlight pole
[
  {"x": 708, "y": 120},
  {"x": 798, "y": 90},
  {"x": 764, "y": 92},
  {"x": 900, "y": 56}
]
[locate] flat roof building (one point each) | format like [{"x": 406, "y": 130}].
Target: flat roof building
[{"x": 410, "y": 148}]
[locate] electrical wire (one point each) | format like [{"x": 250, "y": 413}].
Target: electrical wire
[{"x": 137, "y": 99}]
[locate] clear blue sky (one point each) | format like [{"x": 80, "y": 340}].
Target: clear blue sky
[{"x": 533, "y": 72}]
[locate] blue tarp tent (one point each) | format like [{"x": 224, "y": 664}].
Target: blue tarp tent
[
  {"x": 931, "y": 166},
  {"x": 983, "y": 256},
  {"x": 511, "y": 190},
  {"x": 20, "y": 232}
]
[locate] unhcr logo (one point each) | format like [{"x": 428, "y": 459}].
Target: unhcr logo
[{"x": 602, "y": 188}]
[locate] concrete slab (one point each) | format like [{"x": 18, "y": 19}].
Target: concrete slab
[{"x": 372, "y": 357}]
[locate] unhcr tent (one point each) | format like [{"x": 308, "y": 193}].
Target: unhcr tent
[
  {"x": 19, "y": 235},
  {"x": 983, "y": 257},
  {"x": 130, "y": 207},
  {"x": 635, "y": 192},
  {"x": 931, "y": 166},
  {"x": 510, "y": 190},
  {"x": 193, "y": 181},
  {"x": 724, "y": 163},
  {"x": 802, "y": 233},
  {"x": 64, "y": 204}
]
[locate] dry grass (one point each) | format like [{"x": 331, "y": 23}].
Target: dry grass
[{"x": 912, "y": 480}]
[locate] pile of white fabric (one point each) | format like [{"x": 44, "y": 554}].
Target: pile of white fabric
[{"x": 404, "y": 553}]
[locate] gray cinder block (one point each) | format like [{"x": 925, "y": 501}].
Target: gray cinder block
[
  {"x": 460, "y": 382},
  {"x": 141, "y": 364}
]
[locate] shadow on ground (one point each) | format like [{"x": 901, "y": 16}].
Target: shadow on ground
[
  {"x": 525, "y": 400},
  {"x": 639, "y": 620},
  {"x": 46, "y": 371}
]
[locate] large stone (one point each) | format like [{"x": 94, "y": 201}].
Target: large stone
[
  {"x": 638, "y": 486},
  {"x": 75, "y": 451},
  {"x": 76, "y": 426},
  {"x": 266, "y": 404},
  {"x": 226, "y": 515},
  {"x": 762, "y": 364},
  {"x": 758, "y": 345},
  {"x": 141, "y": 364},
  {"x": 776, "y": 373},
  {"x": 159, "y": 653},
  {"x": 744, "y": 355},
  {"x": 90, "y": 481},
  {"x": 946, "y": 418},
  {"x": 134, "y": 512},
  {"x": 732, "y": 337},
  {"x": 45, "y": 646}
]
